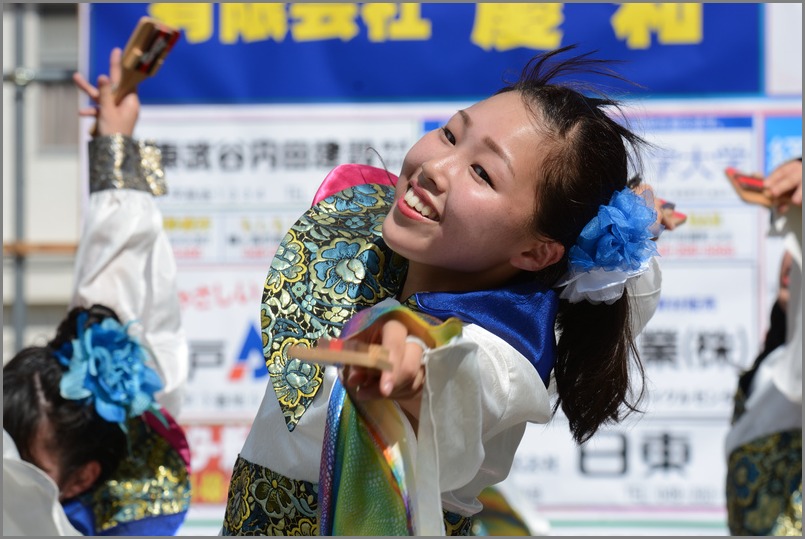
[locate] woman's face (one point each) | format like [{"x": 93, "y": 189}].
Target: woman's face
[
  {"x": 44, "y": 454},
  {"x": 466, "y": 195}
]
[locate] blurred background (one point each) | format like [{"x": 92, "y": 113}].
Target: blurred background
[{"x": 257, "y": 102}]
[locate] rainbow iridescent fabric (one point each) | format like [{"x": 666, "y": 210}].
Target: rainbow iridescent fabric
[{"x": 365, "y": 484}]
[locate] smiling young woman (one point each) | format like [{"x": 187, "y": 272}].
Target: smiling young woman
[{"x": 504, "y": 256}]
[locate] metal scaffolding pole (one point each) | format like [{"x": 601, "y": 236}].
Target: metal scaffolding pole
[
  {"x": 21, "y": 76},
  {"x": 19, "y": 314}
]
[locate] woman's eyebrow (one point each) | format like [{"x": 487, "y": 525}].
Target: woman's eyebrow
[{"x": 494, "y": 146}]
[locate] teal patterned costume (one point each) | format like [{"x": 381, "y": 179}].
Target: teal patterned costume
[
  {"x": 764, "y": 482},
  {"x": 331, "y": 264}
]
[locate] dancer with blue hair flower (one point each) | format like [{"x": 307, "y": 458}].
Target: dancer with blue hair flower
[
  {"x": 90, "y": 444},
  {"x": 108, "y": 369},
  {"x": 510, "y": 272}
]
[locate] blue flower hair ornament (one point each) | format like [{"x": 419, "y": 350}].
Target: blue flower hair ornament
[
  {"x": 107, "y": 367},
  {"x": 614, "y": 247}
]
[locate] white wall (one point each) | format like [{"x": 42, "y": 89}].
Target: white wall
[
  {"x": 784, "y": 49},
  {"x": 52, "y": 197}
]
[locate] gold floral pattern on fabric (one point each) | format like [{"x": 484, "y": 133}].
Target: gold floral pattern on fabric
[
  {"x": 331, "y": 263},
  {"x": 764, "y": 486},
  {"x": 457, "y": 525},
  {"x": 120, "y": 162},
  {"x": 262, "y": 502},
  {"x": 153, "y": 482}
]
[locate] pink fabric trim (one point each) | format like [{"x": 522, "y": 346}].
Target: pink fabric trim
[
  {"x": 173, "y": 433},
  {"x": 349, "y": 175}
]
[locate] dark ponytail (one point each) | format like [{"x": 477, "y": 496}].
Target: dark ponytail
[
  {"x": 592, "y": 370},
  {"x": 587, "y": 157},
  {"x": 68, "y": 328}
]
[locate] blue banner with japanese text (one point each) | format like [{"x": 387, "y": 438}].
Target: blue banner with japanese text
[{"x": 364, "y": 52}]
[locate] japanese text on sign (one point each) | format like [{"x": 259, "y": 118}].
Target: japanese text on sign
[{"x": 498, "y": 26}]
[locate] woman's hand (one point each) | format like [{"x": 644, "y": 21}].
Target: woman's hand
[
  {"x": 111, "y": 118},
  {"x": 403, "y": 381},
  {"x": 666, "y": 216},
  {"x": 784, "y": 185}
]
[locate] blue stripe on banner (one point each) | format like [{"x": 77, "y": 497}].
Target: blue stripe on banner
[
  {"x": 337, "y": 52},
  {"x": 783, "y": 137}
]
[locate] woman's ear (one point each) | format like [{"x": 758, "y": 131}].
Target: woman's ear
[
  {"x": 541, "y": 254},
  {"x": 80, "y": 480}
]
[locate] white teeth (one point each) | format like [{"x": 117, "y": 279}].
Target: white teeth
[{"x": 416, "y": 203}]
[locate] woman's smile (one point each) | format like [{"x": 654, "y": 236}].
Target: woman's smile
[{"x": 419, "y": 204}]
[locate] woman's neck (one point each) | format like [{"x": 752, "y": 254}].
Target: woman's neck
[{"x": 424, "y": 278}]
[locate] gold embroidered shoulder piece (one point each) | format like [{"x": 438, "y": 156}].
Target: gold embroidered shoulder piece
[{"x": 331, "y": 263}]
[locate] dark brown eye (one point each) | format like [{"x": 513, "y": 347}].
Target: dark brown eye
[{"x": 479, "y": 170}]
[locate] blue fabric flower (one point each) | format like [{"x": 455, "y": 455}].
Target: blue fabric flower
[
  {"x": 108, "y": 368},
  {"x": 614, "y": 247},
  {"x": 618, "y": 238}
]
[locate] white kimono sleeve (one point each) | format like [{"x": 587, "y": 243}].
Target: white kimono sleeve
[
  {"x": 480, "y": 393},
  {"x": 788, "y": 375},
  {"x": 644, "y": 296},
  {"x": 775, "y": 395},
  {"x": 126, "y": 263}
]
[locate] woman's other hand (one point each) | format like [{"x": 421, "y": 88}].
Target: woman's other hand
[{"x": 111, "y": 118}]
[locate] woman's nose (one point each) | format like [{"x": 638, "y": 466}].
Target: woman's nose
[{"x": 438, "y": 171}]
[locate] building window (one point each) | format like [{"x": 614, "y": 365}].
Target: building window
[{"x": 58, "y": 55}]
